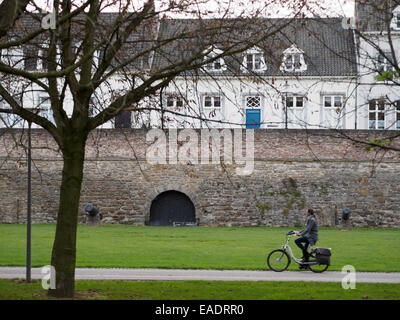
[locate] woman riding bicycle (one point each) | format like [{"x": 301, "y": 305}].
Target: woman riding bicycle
[{"x": 308, "y": 236}]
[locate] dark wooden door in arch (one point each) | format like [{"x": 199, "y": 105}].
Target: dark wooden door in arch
[{"x": 172, "y": 208}]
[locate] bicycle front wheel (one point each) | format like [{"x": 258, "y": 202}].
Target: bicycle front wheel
[{"x": 278, "y": 260}]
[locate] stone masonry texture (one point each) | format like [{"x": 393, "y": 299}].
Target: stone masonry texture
[{"x": 293, "y": 170}]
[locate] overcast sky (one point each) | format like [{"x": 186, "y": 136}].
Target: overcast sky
[{"x": 237, "y": 7}]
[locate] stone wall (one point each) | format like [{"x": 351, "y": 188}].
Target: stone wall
[{"x": 293, "y": 170}]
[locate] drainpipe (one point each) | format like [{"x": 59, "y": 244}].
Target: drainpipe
[
  {"x": 286, "y": 85},
  {"x": 162, "y": 108},
  {"x": 357, "y": 78}
]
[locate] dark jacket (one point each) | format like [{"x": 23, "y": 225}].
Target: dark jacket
[{"x": 311, "y": 230}]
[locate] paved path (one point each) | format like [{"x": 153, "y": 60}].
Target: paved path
[{"x": 217, "y": 275}]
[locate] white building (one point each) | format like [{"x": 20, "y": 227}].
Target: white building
[
  {"x": 314, "y": 74},
  {"x": 33, "y": 58},
  {"x": 303, "y": 77},
  {"x": 379, "y": 54}
]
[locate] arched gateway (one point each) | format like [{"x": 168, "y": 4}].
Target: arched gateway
[{"x": 172, "y": 208}]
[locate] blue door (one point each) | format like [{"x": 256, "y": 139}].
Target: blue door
[{"x": 253, "y": 118}]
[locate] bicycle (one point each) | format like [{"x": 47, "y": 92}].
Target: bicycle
[{"x": 279, "y": 260}]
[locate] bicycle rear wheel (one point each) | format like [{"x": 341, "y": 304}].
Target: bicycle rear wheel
[
  {"x": 318, "y": 268},
  {"x": 278, "y": 260}
]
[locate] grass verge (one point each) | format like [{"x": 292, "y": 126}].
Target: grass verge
[
  {"x": 126, "y": 246},
  {"x": 204, "y": 290}
]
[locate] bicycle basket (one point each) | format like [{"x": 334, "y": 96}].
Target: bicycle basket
[{"x": 323, "y": 255}]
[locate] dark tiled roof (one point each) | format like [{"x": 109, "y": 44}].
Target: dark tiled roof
[
  {"x": 328, "y": 47},
  {"x": 375, "y": 15},
  {"x": 139, "y": 41}
]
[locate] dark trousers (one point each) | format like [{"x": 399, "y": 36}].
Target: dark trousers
[{"x": 299, "y": 242}]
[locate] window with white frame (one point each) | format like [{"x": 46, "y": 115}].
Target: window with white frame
[
  {"x": 79, "y": 55},
  {"x": 178, "y": 107},
  {"x": 4, "y": 104},
  {"x": 253, "y": 102},
  {"x": 77, "y": 48},
  {"x": 13, "y": 56},
  {"x": 397, "y": 103},
  {"x": 96, "y": 59},
  {"x": 44, "y": 106},
  {"x": 8, "y": 119},
  {"x": 385, "y": 62},
  {"x": 211, "y": 101},
  {"x": 332, "y": 111},
  {"x": 395, "y": 23},
  {"x": 93, "y": 106},
  {"x": 254, "y": 60},
  {"x": 174, "y": 101},
  {"x": 42, "y": 62},
  {"x": 216, "y": 65},
  {"x": 295, "y": 102},
  {"x": 376, "y": 114},
  {"x": 43, "y": 54},
  {"x": 293, "y": 60},
  {"x": 212, "y": 108},
  {"x": 295, "y": 111}
]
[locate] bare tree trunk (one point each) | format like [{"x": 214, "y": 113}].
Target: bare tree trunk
[{"x": 64, "y": 247}]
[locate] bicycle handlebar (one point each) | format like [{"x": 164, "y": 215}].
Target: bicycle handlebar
[{"x": 292, "y": 232}]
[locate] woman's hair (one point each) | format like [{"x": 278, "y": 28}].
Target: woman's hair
[{"x": 311, "y": 211}]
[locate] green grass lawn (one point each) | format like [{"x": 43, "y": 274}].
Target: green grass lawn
[
  {"x": 127, "y": 246},
  {"x": 205, "y": 290}
]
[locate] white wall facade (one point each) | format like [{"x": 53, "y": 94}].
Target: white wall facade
[
  {"x": 35, "y": 97},
  {"x": 316, "y": 102},
  {"x": 372, "y": 89},
  {"x": 306, "y": 109}
]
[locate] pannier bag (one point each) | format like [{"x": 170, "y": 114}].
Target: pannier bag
[{"x": 323, "y": 255}]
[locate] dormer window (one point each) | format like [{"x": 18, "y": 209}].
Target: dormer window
[
  {"x": 43, "y": 52},
  {"x": 293, "y": 60},
  {"x": 395, "y": 23},
  {"x": 216, "y": 65},
  {"x": 385, "y": 67},
  {"x": 384, "y": 62},
  {"x": 254, "y": 60}
]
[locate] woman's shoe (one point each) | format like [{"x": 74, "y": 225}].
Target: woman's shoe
[{"x": 306, "y": 256}]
